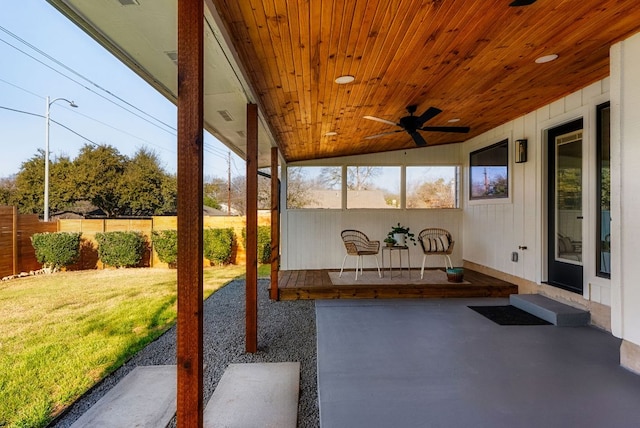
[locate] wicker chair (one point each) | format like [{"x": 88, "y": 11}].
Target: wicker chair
[
  {"x": 435, "y": 242},
  {"x": 358, "y": 244}
]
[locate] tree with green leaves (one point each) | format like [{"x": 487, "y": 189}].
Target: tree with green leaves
[
  {"x": 144, "y": 187},
  {"x": 7, "y": 190},
  {"x": 98, "y": 173}
]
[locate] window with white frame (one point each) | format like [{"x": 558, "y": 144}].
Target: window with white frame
[
  {"x": 373, "y": 186},
  {"x": 432, "y": 186},
  {"x": 314, "y": 187}
]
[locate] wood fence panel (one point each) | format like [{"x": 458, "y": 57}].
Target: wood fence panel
[
  {"x": 6, "y": 242},
  {"x": 16, "y": 252}
]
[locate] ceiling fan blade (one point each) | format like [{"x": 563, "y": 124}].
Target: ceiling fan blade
[
  {"x": 377, "y": 119},
  {"x": 420, "y": 142},
  {"x": 517, "y": 3},
  {"x": 429, "y": 114},
  {"x": 459, "y": 129},
  {"x": 382, "y": 134}
]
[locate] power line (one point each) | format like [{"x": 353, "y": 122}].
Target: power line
[
  {"x": 22, "y": 89},
  {"x": 51, "y": 120},
  {"x": 91, "y": 90},
  {"x": 91, "y": 118},
  {"x": 61, "y": 64}
]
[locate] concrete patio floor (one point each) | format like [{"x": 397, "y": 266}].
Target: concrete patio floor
[{"x": 437, "y": 363}]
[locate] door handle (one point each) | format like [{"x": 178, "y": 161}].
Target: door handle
[{"x": 580, "y": 217}]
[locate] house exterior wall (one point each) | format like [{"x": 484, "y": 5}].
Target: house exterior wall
[
  {"x": 625, "y": 184},
  {"x": 493, "y": 229},
  {"x": 311, "y": 237}
]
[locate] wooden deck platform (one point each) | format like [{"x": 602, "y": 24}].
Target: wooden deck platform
[{"x": 316, "y": 284}]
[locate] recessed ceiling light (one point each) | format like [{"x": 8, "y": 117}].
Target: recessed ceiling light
[
  {"x": 453, "y": 120},
  {"x": 330, "y": 134},
  {"x": 546, "y": 58},
  {"x": 345, "y": 79}
]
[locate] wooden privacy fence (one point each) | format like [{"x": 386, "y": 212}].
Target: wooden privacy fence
[
  {"x": 89, "y": 228},
  {"x": 16, "y": 252}
]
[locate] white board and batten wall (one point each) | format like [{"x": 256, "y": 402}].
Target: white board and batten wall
[{"x": 493, "y": 229}]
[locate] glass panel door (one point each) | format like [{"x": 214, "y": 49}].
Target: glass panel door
[
  {"x": 568, "y": 198},
  {"x": 564, "y": 215}
]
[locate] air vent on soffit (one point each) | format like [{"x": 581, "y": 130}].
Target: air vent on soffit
[{"x": 129, "y": 2}]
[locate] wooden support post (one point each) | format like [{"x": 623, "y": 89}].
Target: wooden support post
[
  {"x": 252, "y": 229},
  {"x": 275, "y": 225},
  {"x": 190, "y": 216}
]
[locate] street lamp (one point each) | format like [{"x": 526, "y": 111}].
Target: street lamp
[{"x": 46, "y": 155}]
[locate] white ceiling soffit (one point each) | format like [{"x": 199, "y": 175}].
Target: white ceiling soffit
[{"x": 143, "y": 34}]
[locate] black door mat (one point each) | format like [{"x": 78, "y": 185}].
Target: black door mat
[{"x": 508, "y": 315}]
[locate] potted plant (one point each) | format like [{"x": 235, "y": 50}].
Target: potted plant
[
  {"x": 390, "y": 241},
  {"x": 400, "y": 234}
]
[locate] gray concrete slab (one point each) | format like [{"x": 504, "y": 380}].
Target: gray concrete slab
[
  {"x": 550, "y": 310},
  {"x": 255, "y": 395},
  {"x": 146, "y": 397},
  {"x": 437, "y": 363}
]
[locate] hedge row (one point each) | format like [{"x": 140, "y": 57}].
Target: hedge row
[
  {"x": 218, "y": 245},
  {"x": 60, "y": 249},
  {"x": 56, "y": 250},
  {"x": 126, "y": 249}
]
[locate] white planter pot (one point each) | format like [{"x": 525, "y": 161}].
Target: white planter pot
[{"x": 399, "y": 237}]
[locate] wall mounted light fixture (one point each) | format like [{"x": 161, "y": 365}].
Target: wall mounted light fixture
[{"x": 521, "y": 151}]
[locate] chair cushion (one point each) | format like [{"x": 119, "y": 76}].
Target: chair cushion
[{"x": 439, "y": 244}]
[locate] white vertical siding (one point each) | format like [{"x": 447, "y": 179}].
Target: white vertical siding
[
  {"x": 625, "y": 224},
  {"x": 492, "y": 230}
]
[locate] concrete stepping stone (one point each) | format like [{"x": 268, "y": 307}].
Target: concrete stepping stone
[
  {"x": 259, "y": 395},
  {"x": 146, "y": 397}
]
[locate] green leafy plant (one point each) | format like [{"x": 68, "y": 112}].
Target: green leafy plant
[
  {"x": 165, "y": 242},
  {"x": 264, "y": 243},
  {"x": 389, "y": 240},
  {"x": 218, "y": 244},
  {"x": 121, "y": 249},
  {"x": 401, "y": 229},
  {"x": 56, "y": 250}
]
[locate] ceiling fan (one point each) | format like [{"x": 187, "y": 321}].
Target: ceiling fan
[{"x": 412, "y": 124}]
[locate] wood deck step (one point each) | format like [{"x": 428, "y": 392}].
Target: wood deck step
[
  {"x": 550, "y": 310},
  {"x": 316, "y": 284}
]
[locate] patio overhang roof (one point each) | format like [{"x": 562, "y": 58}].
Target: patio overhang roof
[{"x": 473, "y": 60}]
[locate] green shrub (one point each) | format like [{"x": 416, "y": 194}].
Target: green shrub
[
  {"x": 218, "y": 244},
  {"x": 55, "y": 250},
  {"x": 165, "y": 242},
  {"x": 120, "y": 249},
  {"x": 264, "y": 243}
]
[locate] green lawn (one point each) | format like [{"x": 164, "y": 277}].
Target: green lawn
[{"x": 61, "y": 333}]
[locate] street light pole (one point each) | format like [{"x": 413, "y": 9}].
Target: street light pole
[{"x": 46, "y": 154}]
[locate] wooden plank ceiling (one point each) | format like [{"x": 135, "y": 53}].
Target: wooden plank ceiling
[{"x": 472, "y": 59}]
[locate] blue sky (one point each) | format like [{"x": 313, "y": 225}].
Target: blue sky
[{"x": 25, "y": 83}]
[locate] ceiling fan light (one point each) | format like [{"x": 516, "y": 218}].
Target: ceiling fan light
[
  {"x": 546, "y": 58},
  {"x": 343, "y": 80}
]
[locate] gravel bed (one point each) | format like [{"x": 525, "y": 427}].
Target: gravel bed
[{"x": 286, "y": 332}]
